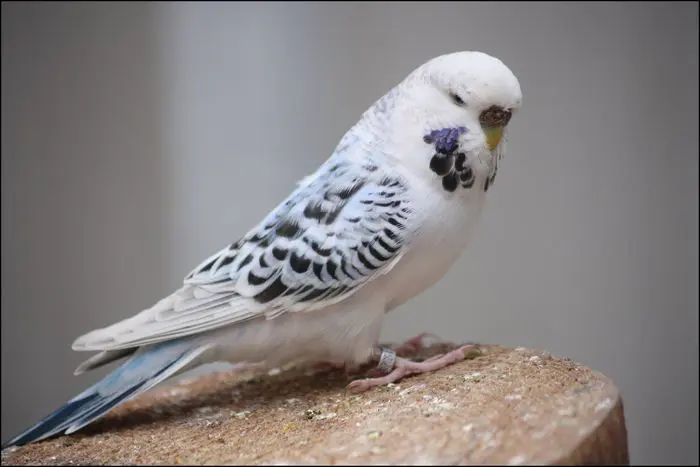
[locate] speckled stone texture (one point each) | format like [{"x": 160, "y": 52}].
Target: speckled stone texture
[{"x": 503, "y": 406}]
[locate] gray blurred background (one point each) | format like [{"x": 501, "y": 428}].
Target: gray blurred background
[{"x": 139, "y": 138}]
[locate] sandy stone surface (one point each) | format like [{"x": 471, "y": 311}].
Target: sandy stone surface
[{"x": 505, "y": 406}]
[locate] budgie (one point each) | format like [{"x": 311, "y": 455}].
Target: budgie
[{"x": 379, "y": 222}]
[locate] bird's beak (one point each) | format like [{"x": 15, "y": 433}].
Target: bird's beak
[{"x": 493, "y": 136}]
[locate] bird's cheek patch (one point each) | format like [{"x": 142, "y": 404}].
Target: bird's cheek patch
[
  {"x": 447, "y": 163},
  {"x": 446, "y": 140}
]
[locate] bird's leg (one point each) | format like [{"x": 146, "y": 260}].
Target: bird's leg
[
  {"x": 414, "y": 344},
  {"x": 401, "y": 367},
  {"x": 324, "y": 367}
]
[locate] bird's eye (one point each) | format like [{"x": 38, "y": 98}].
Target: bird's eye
[{"x": 456, "y": 99}]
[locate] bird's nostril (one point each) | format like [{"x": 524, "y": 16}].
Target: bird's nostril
[{"x": 495, "y": 116}]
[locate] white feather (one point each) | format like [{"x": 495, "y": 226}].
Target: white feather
[{"x": 370, "y": 229}]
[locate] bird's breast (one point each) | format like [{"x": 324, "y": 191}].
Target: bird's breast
[{"x": 441, "y": 230}]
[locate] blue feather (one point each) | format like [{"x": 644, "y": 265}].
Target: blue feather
[{"x": 140, "y": 373}]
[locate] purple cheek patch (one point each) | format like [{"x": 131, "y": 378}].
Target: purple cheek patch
[
  {"x": 447, "y": 163},
  {"x": 445, "y": 140}
]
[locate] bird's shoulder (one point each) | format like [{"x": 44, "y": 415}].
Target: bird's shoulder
[{"x": 338, "y": 228}]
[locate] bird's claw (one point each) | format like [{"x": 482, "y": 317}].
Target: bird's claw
[{"x": 404, "y": 367}]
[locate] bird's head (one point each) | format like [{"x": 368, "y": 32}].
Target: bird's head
[
  {"x": 470, "y": 89},
  {"x": 471, "y": 92}
]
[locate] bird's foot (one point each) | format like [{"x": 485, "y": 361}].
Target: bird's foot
[
  {"x": 415, "y": 344},
  {"x": 403, "y": 367}
]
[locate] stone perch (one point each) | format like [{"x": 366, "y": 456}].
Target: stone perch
[{"x": 503, "y": 406}]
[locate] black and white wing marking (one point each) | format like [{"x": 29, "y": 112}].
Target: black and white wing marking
[
  {"x": 340, "y": 228},
  {"x": 320, "y": 245}
]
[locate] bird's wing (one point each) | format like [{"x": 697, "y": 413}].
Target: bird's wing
[{"x": 339, "y": 229}]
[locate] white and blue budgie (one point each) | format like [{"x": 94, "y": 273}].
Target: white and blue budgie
[{"x": 382, "y": 220}]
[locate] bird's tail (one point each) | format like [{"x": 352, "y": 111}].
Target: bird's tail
[{"x": 145, "y": 369}]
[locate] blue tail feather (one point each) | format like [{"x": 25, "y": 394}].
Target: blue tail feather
[
  {"x": 52, "y": 423},
  {"x": 138, "y": 374}
]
